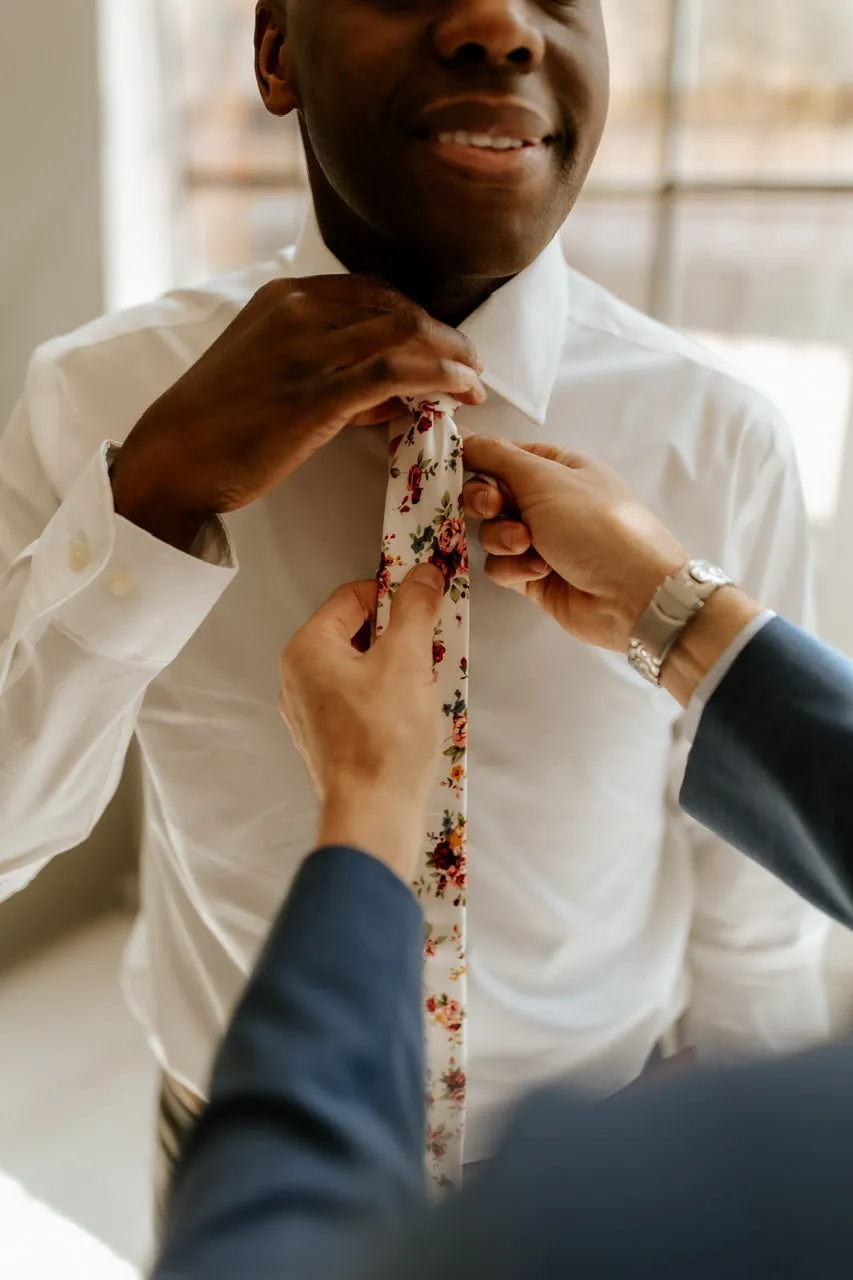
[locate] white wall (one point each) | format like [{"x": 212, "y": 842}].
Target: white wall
[
  {"x": 50, "y": 246},
  {"x": 51, "y": 281}
]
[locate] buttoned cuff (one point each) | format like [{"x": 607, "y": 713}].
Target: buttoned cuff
[
  {"x": 115, "y": 587},
  {"x": 708, "y": 687}
]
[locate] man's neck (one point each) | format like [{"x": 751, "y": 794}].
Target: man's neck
[{"x": 449, "y": 298}]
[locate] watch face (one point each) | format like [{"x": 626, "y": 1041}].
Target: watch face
[{"x": 703, "y": 571}]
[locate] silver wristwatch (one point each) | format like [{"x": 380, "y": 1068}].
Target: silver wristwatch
[{"x": 677, "y": 600}]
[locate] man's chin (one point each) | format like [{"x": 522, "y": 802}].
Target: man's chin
[
  {"x": 481, "y": 231},
  {"x": 473, "y": 247}
]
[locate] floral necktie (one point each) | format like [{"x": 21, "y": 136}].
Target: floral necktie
[{"x": 424, "y": 521}]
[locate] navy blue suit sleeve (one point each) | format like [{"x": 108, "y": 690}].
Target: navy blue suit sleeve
[
  {"x": 742, "y": 1174},
  {"x": 771, "y": 770},
  {"x": 315, "y": 1128}
]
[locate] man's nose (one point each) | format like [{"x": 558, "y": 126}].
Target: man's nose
[{"x": 496, "y": 33}]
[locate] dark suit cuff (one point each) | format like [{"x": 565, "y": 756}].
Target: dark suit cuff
[
  {"x": 344, "y": 959},
  {"x": 348, "y": 923},
  {"x": 335, "y": 875}
]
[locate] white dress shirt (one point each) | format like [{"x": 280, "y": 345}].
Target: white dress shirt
[{"x": 599, "y": 916}]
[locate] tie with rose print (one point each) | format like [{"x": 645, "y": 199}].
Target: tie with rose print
[{"x": 424, "y": 521}]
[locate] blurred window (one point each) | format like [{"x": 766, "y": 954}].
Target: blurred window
[{"x": 721, "y": 200}]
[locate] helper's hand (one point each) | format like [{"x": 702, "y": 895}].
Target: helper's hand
[
  {"x": 304, "y": 359},
  {"x": 368, "y": 724},
  {"x": 568, "y": 533}
]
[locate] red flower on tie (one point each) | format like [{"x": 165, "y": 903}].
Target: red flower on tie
[
  {"x": 425, "y": 418},
  {"x": 446, "y": 1012},
  {"x": 454, "y": 1085},
  {"x": 450, "y": 535},
  {"x": 414, "y": 488},
  {"x": 437, "y": 1142},
  {"x": 460, "y": 730},
  {"x": 445, "y": 857}
]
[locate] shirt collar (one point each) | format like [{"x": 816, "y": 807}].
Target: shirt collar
[{"x": 518, "y": 332}]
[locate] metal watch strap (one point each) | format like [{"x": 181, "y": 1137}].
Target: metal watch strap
[{"x": 677, "y": 600}]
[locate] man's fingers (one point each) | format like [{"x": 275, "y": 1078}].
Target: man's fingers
[
  {"x": 416, "y": 606},
  {"x": 504, "y": 537},
  {"x": 516, "y": 572},
  {"x": 351, "y": 301},
  {"x": 398, "y": 374},
  {"x": 366, "y": 291},
  {"x": 339, "y": 300},
  {"x": 413, "y": 330},
  {"x": 321, "y": 305},
  {"x": 333, "y": 304}
]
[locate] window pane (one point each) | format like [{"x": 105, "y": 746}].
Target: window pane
[
  {"x": 631, "y": 154},
  {"x": 810, "y": 383},
  {"x": 775, "y": 264},
  {"x": 231, "y": 226},
  {"x": 767, "y": 90},
  {"x": 612, "y": 239},
  {"x": 229, "y": 134},
  {"x": 766, "y": 281}
]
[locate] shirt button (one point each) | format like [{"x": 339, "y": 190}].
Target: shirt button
[
  {"x": 79, "y": 556},
  {"x": 120, "y": 583}
]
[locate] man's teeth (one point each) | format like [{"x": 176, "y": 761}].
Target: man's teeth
[{"x": 463, "y": 139}]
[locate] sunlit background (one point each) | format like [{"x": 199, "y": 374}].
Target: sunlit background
[{"x": 721, "y": 203}]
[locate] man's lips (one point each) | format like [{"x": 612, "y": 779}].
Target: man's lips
[
  {"x": 487, "y": 137},
  {"x": 484, "y": 121}
]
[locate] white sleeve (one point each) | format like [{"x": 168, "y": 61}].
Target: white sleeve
[
  {"x": 756, "y": 948},
  {"x": 91, "y": 609}
]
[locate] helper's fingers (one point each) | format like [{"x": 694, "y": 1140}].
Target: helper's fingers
[
  {"x": 504, "y": 537},
  {"x": 415, "y": 607},
  {"x": 390, "y": 411},
  {"x": 516, "y": 572},
  {"x": 483, "y": 499},
  {"x": 553, "y": 453},
  {"x": 343, "y": 615},
  {"x": 516, "y": 466}
]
